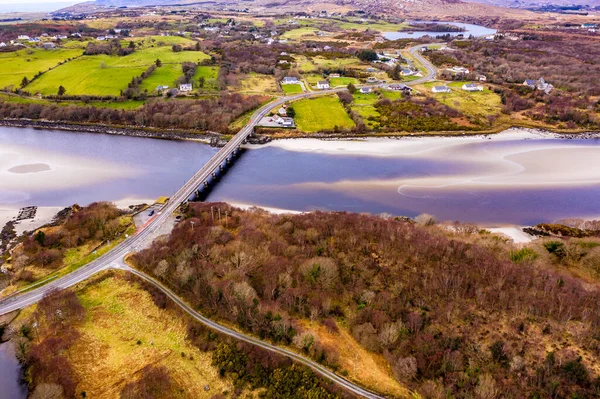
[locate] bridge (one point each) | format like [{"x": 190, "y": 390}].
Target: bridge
[{"x": 115, "y": 258}]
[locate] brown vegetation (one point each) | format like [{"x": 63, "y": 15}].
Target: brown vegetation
[{"x": 451, "y": 318}]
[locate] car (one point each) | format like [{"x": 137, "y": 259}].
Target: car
[{"x": 151, "y": 213}]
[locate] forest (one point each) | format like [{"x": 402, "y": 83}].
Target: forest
[
  {"x": 464, "y": 316},
  {"x": 213, "y": 114}
]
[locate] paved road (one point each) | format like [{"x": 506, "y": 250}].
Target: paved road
[{"x": 114, "y": 258}]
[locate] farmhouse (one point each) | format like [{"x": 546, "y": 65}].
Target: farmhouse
[
  {"x": 334, "y": 75},
  {"x": 284, "y": 121},
  {"x": 290, "y": 80},
  {"x": 186, "y": 87},
  {"x": 49, "y": 46},
  {"x": 372, "y": 79},
  {"x": 441, "y": 89},
  {"x": 407, "y": 72},
  {"x": 458, "y": 69},
  {"x": 481, "y": 78},
  {"x": 322, "y": 85},
  {"x": 539, "y": 84},
  {"x": 370, "y": 70},
  {"x": 2, "y": 44},
  {"x": 365, "y": 90},
  {"x": 23, "y": 37},
  {"x": 161, "y": 87},
  {"x": 472, "y": 87},
  {"x": 282, "y": 111},
  {"x": 400, "y": 87}
]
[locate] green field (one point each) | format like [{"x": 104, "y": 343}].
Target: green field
[
  {"x": 364, "y": 104},
  {"x": 27, "y": 63},
  {"x": 291, "y": 89},
  {"x": 165, "y": 75},
  {"x": 295, "y": 34},
  {"x": 478, "y": 104},
  {"x": 335, "y": 62},
  {"x": 158, "y": 41},
  {"x": 210, "y": 75},
  {"x": 323, "y": 113},
  {"x": 343, "y": 81},
  {"x": 108, "y": 75}
]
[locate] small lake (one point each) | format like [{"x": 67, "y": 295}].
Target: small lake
[
  {"x": 512, "y": 178},
  {"x": 11, "y": 385},
  {"x": 468, "y": 30}
]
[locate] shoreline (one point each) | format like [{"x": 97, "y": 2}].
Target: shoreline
[{"x": 216, "y": 139}]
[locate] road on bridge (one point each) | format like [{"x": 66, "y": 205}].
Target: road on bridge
[{"x": 115, "y": 258}]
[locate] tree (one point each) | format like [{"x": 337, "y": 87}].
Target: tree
[
  {"x": 177, "y": 48},
  {"x": 158, "y": 62},
  {"x": 131, "y": 44},
  {"x": 291, "y": 112},
  {"x": 61, "y": 91},
  {"x": 201, "y": 81},
  {"x": 367, "y": 55},
  {"x": 24, "y": 82},
  {"x": 197, "y": 46},
  {"x": 351, "y": 88}
]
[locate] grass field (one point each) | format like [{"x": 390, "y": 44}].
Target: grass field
[
  {"x": 343, "y": 81},
  {"x": 323, "y": 113},
  {"x": 166, "y": 74},
  {"x": 210, "y": 75},
  {"x": 106, "y": 75},
  {"x": 478, "y": 104},
  {"x": 158, "y": 41},
  {"x": 291, "y": 89},
  {"x": 27, "y": 63},
  {"x": 364, "y": 104},
  {"x": 299, "y": 33},
  {"x": 124, "y": 331},
  {"x": 255, "y": 83},
  {"x": 335, "y": 62}
]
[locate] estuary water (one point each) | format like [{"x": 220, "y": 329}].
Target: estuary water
[
  {"x": 468, "y": 30},
  {"x": 515, "y": 177},
  {"x": 10, "y": 373}
]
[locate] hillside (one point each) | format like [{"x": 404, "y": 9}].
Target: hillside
[{"x": 445, "y": 316}]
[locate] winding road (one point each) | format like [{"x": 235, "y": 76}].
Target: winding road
[{"x": 115, "y": 258}]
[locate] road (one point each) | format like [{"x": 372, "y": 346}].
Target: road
[{"x": 114, "y": 258}]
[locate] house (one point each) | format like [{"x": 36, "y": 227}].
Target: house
[
  {"x": 424, "y": 49},
  {"x": 186, "y": 87},
  {"x": 481, "y": 78},
  {"x": 2, "y": 44},
  {"x": 161, "y": 87},
  {"x": 334, "y": 75},
  {"x": 472, "y": 87},
  {"x": 172, "y": 92},
  {"x": 290, "y": 80},
  {"x": 282, "y": 111},
  {"x": 365, "y": 90},
  {"x": 458, "y": 69},
  {"x": 588, "y": 26},
  {"x": 76, "y": 34},
  {"x": 100, "y": 38},
  {"x": 372, "y": 79},
  {"x": 400, "y": 87},
  {"x": 441, "y": 89},
  {"x": 322, "y": 85},
  {"x": 49, "y": 46},
  {"x": 407, "y": 72},
  {"x": 371, "y": 70},
  {"x": 539, "y": 84},
  {"x": 284, "y": 121},
  {"x": 23, "y": 37}
]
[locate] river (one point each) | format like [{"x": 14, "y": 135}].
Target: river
[
  {"x": 516, "y": 177},
  {"x": 468, "y": 30},
  {"x": 11, "y": 374}
]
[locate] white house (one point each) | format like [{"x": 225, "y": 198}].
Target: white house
[
  {"x": 372, "y": 79},
  {"x": 284, "y": 121},
  {"x": 481, "y": 78},
  {"x": 282, "y": 111},
  {"x": 49, "y": 46},
  {"x": 472, "y": 87},
  {"x": 23, "y": 37},
  {"x": 441, "y": 89},
  {"x": 186, "y": 87},
  {"x": 458, "y": 69},
  {"x": 290, "y": 80},
  {"x": 539, "y": 84},
  {"x": 2, "y": 44},
  {"x": 334, "y": 75},
  {"x": 323, "y": 85},
  {"x": 407, "y": 72},
  {"x": 161, "y": 87},
  {"x": 365, "y": 90}
]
